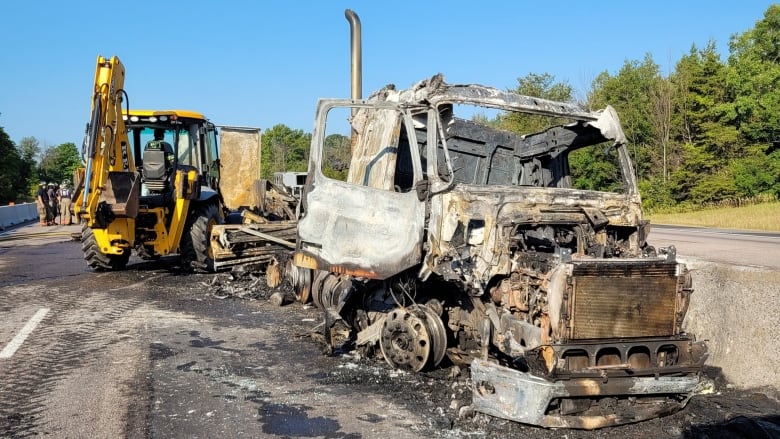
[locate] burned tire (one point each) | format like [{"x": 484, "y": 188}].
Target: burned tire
[
  {"x": 195, "y": 248},
  {"x": 98, "y": 260}
]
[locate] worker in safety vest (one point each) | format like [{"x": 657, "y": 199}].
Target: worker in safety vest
[{"x": 66, "y": 210}]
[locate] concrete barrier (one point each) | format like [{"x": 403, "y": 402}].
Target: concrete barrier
[
  {"x": 17, "y": 214},
  {"x": 737, "y": 310}
]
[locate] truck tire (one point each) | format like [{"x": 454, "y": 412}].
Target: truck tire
[
  {"x": 98, "y": 260},
  {"x": 195, "y": 245}
]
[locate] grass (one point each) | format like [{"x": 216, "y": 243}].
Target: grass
[{"x": 765, "y": 216}]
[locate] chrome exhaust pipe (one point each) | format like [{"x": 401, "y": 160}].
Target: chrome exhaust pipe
[{"x": 355, "y": 54}]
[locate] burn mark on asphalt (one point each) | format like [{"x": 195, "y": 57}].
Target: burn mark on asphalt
[
  {"x": 158, "y": 351},
  {"x": 294, "y": 421},
  {"x": 261, "y": 346},
  {"x": 371, "y": 417},
  {"x": 206, "y": 342},
  {"x": 186, "y": 366}
]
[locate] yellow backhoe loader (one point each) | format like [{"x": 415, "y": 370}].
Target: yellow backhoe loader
[{"x": 150, "y": 181}]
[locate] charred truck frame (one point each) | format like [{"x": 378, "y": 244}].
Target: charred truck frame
[
  {"x": 436, "y": 236},
  {"x": 452, "y": 238}
]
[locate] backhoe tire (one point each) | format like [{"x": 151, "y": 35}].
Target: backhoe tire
[
  {"x": 195, "y": 247},
  {"x": 98, "y": 260}
]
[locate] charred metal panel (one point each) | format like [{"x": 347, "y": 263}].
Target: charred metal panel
[
  {"x": 502, "y": 207},
  {"x": 240, "y": 166},
  {"x": 511, "y": 394},
  {"x": 628, "y": 357},
  {"x": 375, "y": 148},
  {"x": 480, "y": 155},
  {"x": 350, "y": 228},
  {"x": 623, "y": 300}
]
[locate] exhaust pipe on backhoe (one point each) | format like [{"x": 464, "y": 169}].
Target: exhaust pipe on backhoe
[{"x": 355, "y": 55}]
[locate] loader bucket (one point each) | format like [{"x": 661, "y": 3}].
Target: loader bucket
[{"x": 122, "y": 193}]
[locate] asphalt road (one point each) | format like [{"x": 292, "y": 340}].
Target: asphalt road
[
  {"x": 150, "y": 352},
  {"x": 758, "y": 249}
]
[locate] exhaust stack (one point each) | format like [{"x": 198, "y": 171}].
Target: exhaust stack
[{"x": 356, "y": 54}]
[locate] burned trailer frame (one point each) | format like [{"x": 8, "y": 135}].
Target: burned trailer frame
[{"x": 451, "y": 238}]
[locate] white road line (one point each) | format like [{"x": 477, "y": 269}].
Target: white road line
[{"x": 17, "y": 341}]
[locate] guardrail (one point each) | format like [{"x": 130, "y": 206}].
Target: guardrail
[{"x": 17, "y": 214}]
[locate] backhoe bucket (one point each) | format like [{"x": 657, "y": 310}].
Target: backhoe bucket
[{"x": 122, "y": 193}]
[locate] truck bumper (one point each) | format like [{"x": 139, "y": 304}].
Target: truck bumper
[{"x": 510, "y": 394}]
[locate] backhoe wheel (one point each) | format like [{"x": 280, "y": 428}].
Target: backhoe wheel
[
  {"x": 98, "y": 260},
  {"x": 196, "y": 253}
]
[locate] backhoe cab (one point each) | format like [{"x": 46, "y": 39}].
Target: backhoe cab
[{"x": 150, "y": 183}]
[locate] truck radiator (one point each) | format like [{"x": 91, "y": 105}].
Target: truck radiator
[{"x": 623, "y": 299}]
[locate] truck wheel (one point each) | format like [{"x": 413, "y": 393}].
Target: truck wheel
[
  {"x": 196, "y": 251},
  {"x": 98, "y": 260}
]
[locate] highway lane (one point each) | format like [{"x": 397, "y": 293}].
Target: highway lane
[
  {"x": 735, "y": 247},
  {"x": 148, "y": 353}
]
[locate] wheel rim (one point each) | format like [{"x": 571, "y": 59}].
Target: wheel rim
[
  {"x": 437, "y": 332},
  {"x": 301, "y": 279},
  {"x": 316, "y": 287},
  {"x": 405, "y": 340}
]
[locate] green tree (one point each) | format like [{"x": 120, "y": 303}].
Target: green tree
[
  {"x": 756, "y": 175},
  {"x": 284, "y": 149},
  {"x": 29, "y": 150},
  {"x": 630, "y": 92},
  {"x": 536, "y": 85},
  {"x": 754, "y": 108},
  {"x": 660, "y": 117},
  {"x": 336, "y": 157},
  {"x": 595, "y": 169},
  {"x": 58, "y": 163},
  {"x": 703, "y": 127},
  {"x": 755, "y": 78},
  {"x": 9, "y": 169}
]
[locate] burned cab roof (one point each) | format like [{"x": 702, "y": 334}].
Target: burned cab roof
[
  {"x": 484, "y": 153},
  {"x": 435, "y": 91}
]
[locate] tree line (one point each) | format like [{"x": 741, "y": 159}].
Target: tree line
[
  {"x": 710, "y": 129},
  {"x": 25, "y": 166},
  {"x": 707, "y": 131}
]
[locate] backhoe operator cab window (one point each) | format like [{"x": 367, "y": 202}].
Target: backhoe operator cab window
[
  {"x": 178, "y": 137},
  {"x": 212, "y": 155},
  {"x": 158, "y": 173}
]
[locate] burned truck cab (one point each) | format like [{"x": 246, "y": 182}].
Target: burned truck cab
[{"x": 481, "y": 240}]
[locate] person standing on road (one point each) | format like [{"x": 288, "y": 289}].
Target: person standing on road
[
  {"x": 52, "y": 193},
  {"x": 64, "y": 196},
  {"x": 42, "y": 198}
]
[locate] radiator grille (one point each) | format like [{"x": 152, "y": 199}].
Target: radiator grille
[{"x": 618, "y": 300}]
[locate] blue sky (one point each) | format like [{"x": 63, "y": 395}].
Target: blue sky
[{"x": 261, "y": 63}]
